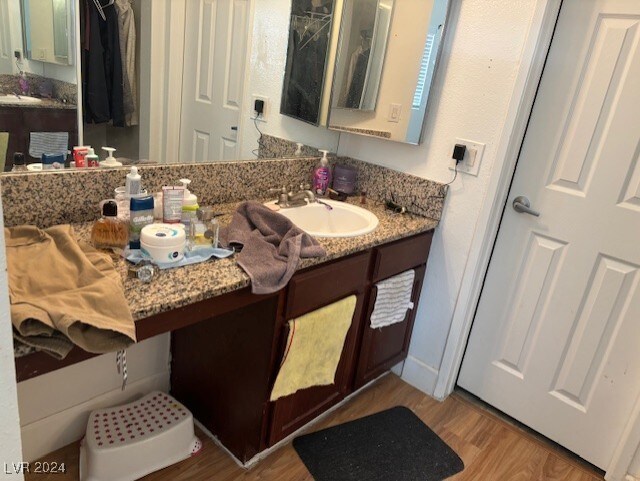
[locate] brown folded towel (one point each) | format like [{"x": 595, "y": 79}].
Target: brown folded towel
[
  {"x": 63, "y": 293},
  {"x": 272, "y": 246}
]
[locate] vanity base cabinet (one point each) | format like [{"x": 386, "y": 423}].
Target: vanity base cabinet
[
  {"x": 19, "y": 122},
  {"x": 221, "y": 370},
  {"x": 383, "y": 348},
  {"x": 309, "y": 291},
  {"x": 224, "y": 366}
]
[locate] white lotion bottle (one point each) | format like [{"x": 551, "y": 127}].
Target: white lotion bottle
[{"x": 133, "y": 182}]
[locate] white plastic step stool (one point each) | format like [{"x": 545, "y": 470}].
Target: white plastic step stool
[{"x": 128, "y": 442}]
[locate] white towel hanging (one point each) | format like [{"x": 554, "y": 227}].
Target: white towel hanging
[{"x": 393, "y": 300}]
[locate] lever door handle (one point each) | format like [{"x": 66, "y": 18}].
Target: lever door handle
[{"x": 522, "y": 205}]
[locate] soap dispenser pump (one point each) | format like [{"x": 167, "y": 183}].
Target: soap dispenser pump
[
  {"x": 110, "y": 161},
  {"x": 322, "y": 175}
]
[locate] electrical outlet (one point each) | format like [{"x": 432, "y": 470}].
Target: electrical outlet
[
  {"x": 265, "y": 113},
  {"x": 472, "y": 157}
]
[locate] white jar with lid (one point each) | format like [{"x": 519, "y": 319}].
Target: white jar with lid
[{"x": 163, "y": 243}]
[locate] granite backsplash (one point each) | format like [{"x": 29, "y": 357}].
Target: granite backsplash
[
  {"x": 58, "y": 197},
  {"x": 270, "y": 147},
  {"x": 63, "y": 91}
]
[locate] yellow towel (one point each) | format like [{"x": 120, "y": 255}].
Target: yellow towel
[
  {"x": 4, "y": 144},
  {"x": 314, "y": 348}
]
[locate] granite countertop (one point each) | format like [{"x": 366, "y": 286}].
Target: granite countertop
[
  {"x": 174, "y": 288},
  {"x": 44, "y": 104}
]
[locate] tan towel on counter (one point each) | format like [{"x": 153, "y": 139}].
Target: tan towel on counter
[
  {"x": 314, "y": 348},
  {"x": 60, "y": 289}
]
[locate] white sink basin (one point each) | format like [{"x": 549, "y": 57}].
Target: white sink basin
[
  {"x": 21, "y": 99},
  {"x": 344, "y": 220}
]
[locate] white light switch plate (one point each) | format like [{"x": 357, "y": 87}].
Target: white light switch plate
[
  {"x": 472, "y": 157},
  {"x": 395, "y": 112}
]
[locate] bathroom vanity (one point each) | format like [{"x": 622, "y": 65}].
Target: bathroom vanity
[
  {"x": 227, "y": 344},
  {"x": 47, "y": 116}
]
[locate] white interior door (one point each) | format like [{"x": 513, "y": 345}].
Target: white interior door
[
  {"x": 214, "y": 61},
  {"x": 555, "y": 339}
]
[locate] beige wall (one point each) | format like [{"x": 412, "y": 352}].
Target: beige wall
[
  {"x": 10, "y": 449},
  {"x": 472, "y": 90}
]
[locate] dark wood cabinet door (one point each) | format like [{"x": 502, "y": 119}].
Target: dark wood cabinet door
[
  {"x": 383, "y": 348},
  {"x": 20, "y": 122},
  {"x": 309, "y": 291},
  {"x": 221, "y": 369}
]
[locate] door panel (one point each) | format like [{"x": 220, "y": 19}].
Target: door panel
[
  {"x": 554, "y": 341},
  {"x": 215, "y": 51}
]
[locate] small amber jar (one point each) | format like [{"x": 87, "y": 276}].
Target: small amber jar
[{"x": 109, "y": 231}]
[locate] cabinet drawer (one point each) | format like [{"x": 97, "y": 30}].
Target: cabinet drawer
[
  {"x": 320, "y": 286},
  {"x": 395, "y": 258}
]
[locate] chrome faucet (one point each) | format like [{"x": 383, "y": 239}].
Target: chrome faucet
[{"x": 294, "y": 199}]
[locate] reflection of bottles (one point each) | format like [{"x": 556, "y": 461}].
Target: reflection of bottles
[
  {"x": 24, "y": 84},
  {"x": 18, "y": 163}
]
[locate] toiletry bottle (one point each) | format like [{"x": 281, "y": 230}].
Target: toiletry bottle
[
  {"x": 172, "y": 199},
  {"x": 189, "y": 204},
  {"x": 92, "y": 159},
  {"x": 79, "y": 154},
  {"x": 24, "y": 84},
  {"x": 18, "y": 163},
  {"x": 109, "y": 231},
  {"x": 322, "y": 175},
  {"x": 140, "y": 215},
  {"x": 133, "y": 183},
  {"x": 110, "y": 161}
]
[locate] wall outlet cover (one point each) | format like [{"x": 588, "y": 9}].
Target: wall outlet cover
[
  {"x": 265, "y": 114},
  {"x": 472, "y": 157}
]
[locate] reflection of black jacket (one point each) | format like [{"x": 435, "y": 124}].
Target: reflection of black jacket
[{"x": 102, "y": 69}]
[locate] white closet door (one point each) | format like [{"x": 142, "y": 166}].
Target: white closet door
[
  {"x": 556, "y": 336},
  {"x": 214, "y": 61}
]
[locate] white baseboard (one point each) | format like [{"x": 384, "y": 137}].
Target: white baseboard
[
  {"x": 420, "y": 375},
  {"x": 397, "y": 369},
  {"x": 53, "y": 432}
]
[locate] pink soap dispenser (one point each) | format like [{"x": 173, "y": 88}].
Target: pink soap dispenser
[{"x": 322, "y": 175}]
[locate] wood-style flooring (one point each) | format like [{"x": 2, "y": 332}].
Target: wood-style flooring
[{"x": 491, "y": 448}]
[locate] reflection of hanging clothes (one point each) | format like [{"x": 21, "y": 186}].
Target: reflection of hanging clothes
[
  {"x": 127, "y": 29},
  {"x": 357, "y": 76},
  {"x": 103, "y": 93},
  {"x": 304, "y": 73}
]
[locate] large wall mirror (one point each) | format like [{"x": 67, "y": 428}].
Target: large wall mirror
[{"x": 177, "y": 80}]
